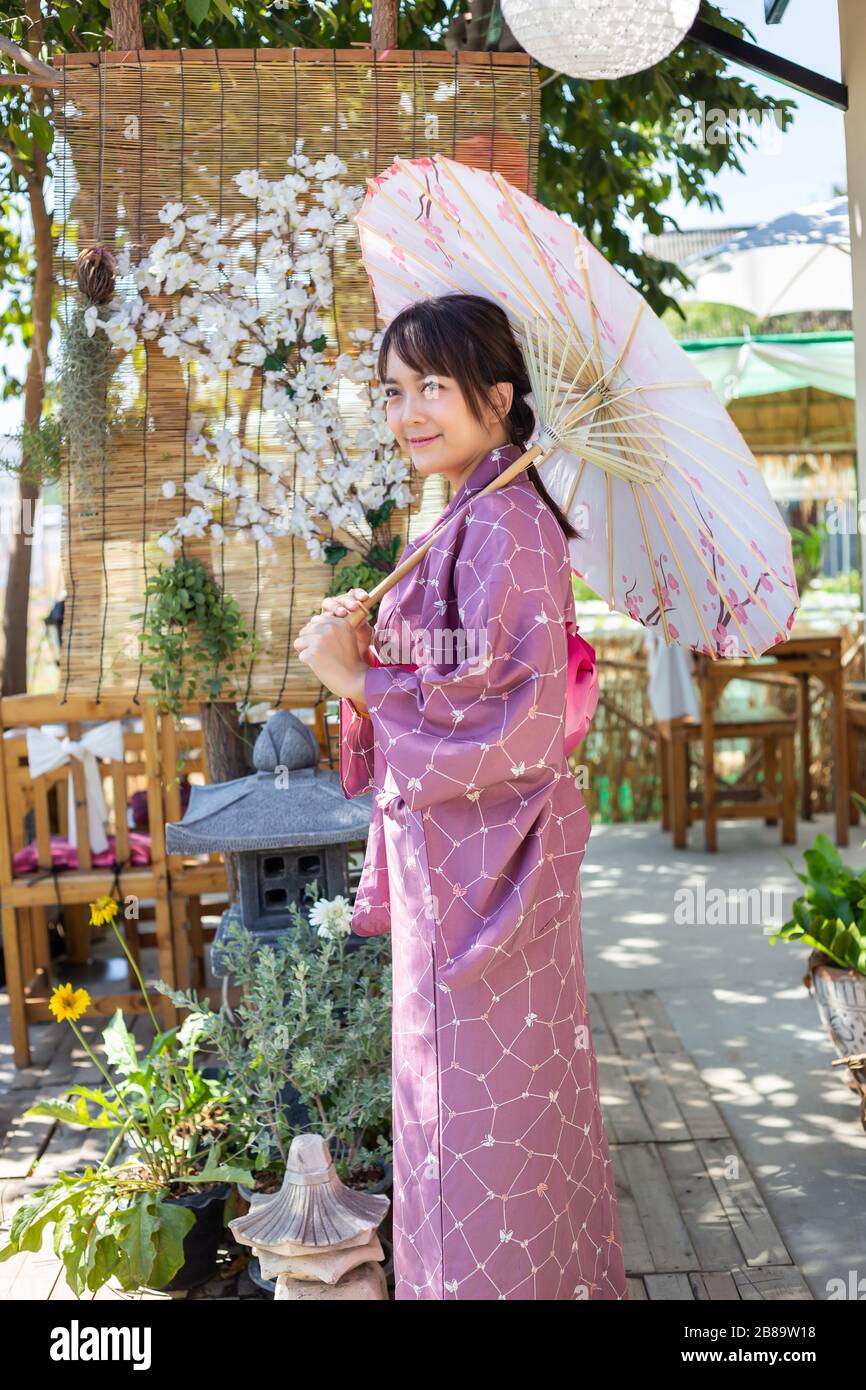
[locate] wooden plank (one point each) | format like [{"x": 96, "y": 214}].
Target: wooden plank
[
  {"x": 701, "y": 1115},
  {"x": 82, "y": 826},
  {"x": 702, "y": 1212},
  {"x": 47, "y": 709},
  {"x": 636, "y": 1250},
  {"x": 44, "y": 1042},
  {"x": 121, "y": 804},
  {"x": 624, "y": 1119},
  {"x": 771, "y": 1284},
  {"x": 43, "y": 829},
  {"x": 31, "y": 1276},
  {"x": 664, "y": 1230},
  {"x": 669, "y": 1287},
  {"x": 717, "y": 1286},
  {"x": 240, "y": 57},
  {"x": 744, "y": 1206},
  {"x": 75, "y": 886},
  {"x": 624, "y": 1025},
  {"x": 656, "y": 1098},
  {"x": 652, "y": 1110},
  {"x": 652, "y": 1016}
]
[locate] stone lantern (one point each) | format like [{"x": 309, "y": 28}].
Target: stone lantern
[{"x": 289, "y": 823}]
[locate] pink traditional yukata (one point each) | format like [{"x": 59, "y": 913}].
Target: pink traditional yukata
[{"x": 503, "y": 1186}]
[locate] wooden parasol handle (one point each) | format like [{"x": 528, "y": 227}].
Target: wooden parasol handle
[{"x": 360, "y": 615}]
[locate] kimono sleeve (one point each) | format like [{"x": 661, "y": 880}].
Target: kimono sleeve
[
  {"x": 371, "y": 914},
  {"x": 452, "y": 731},
  {"x": 357, "y": 746}
]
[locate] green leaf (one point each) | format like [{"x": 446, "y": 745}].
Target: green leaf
[
  {"x": 23, "y": 141},
  {"x": 164, "y": 23},
  {"x": 137, "y": 1233},
  {"x": 225, "y": 9},
  {"x": 75, "y": 1113},
  {"x": 197, "y": 10},
  {"x": 32, "y": 1216},
  {"x": 216, "y": 1172},
  {"x": 43, "y": 131},
  {"x": 120, "y": 1045},
  {"x": 103, "y": 1260},
  {"x": 174, "y": 1222}
]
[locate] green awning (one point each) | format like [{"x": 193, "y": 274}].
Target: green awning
[{"x": 760, "y": 365}]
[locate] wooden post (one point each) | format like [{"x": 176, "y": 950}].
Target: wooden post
[{"x": 852, "y": 48}]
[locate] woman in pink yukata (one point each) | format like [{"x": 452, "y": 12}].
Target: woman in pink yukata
[{"x": 503, "y": 1185}]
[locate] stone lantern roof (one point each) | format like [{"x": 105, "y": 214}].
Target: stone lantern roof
[{"x": 288, "y": 802}]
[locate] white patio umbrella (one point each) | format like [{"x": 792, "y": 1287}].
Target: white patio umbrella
[{"x": 791, "y": 264}]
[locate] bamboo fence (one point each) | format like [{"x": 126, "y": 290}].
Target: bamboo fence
[{"x": 136, "y": 130}]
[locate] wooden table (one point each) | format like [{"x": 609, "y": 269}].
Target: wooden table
[{"x": 808, "y": 652}]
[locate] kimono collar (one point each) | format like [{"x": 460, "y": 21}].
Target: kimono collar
[{"x": 483, "y": 473}]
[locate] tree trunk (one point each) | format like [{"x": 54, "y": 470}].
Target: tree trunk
[
  {"x": 225, "y": 750},
  {"x": 17, "y": 597},
  {"x": 383, "y": 26},
  {"x": 126, "y": 28}
]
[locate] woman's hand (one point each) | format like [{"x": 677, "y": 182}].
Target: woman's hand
[
  {"x": 341, "y": 605},
  {"x": 328, "y": 645}
]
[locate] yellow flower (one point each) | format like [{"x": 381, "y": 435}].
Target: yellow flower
[
  {"x": 69, "y": 1003},
  {"x": 105, "y": 909}
]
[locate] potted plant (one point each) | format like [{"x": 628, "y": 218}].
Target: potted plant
[
  {"x": 309, "y": 1046},
  {"x": 831, "y": 918},
  {"x": 156, "y": 1218}
]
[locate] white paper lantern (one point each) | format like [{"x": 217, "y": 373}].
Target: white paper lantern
[{"x": 599, "y": 38}]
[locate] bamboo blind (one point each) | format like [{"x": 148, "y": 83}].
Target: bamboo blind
[{"x": 136, "y": 130}]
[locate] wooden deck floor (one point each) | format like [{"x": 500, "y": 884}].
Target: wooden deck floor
[{"x": 693, "y": 1221}]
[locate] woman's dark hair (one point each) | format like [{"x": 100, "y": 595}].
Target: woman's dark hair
[{"x": 470, "y": 338}]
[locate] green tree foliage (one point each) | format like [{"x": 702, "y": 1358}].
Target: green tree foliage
[{"x": 611, "y": 152}]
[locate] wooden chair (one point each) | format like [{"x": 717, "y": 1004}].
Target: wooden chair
[
  {"x": 770, "y": 728},
  {"x": 855, "y": 720},
  {"x": 27, "y": 894},
  {"x": 182, "y": 753}
]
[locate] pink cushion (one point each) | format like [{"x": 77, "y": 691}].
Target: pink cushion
[{"x": 65, "y": 856}]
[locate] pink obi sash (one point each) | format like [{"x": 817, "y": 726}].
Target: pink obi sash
[{"x": 582, "y": 686}]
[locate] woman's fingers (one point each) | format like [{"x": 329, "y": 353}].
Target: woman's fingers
[{"x": 341, "y": 604}]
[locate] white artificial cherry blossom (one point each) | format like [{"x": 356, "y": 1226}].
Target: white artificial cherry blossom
[{"x": 238, "y": 317}]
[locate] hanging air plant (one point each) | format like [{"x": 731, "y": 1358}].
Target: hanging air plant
[{"x": 85, "y": 372}]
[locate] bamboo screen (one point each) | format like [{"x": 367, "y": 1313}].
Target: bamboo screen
[{"x": 137, "y": 130}]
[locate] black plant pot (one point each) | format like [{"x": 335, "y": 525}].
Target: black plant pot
[
  {"x": 254, "y": 1270},
  {"x": 202, "y": 1240}
]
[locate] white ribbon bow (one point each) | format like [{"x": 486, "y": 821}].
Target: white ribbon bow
[{"x": 45, "y": 752}]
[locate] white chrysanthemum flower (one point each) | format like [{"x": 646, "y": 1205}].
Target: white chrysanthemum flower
[
  {"x": 169, "y": 488},
  {"x": 332, "y": 917}
]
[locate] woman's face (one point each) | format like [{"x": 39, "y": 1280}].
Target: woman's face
[{"x": 432, "y": 422}]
